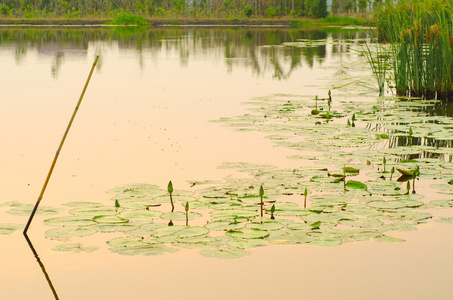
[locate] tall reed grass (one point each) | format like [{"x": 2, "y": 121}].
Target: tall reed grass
[{"x": 420, "y": 40}]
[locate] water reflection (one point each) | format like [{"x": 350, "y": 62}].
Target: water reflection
[
  {"x": 430, "y": 135},
  {"x": 43, "y": 268},
  {"x": 260, "y": 50}
]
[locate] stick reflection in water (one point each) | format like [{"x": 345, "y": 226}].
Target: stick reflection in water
[{"x": 43, "y": 268}]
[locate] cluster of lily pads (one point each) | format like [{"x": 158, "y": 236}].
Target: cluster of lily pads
[
  {"x": 228, "y": 217},
  {"x": 314, "y": 205}
]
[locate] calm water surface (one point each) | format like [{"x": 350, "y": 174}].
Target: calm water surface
[{"x": 145, "y": 118}]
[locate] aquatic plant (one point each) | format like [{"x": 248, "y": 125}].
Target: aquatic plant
[
  {"x": 415, "y": 174},
  {"x": 186, "y": 208},
  {"x": 170, "y": 191},
  {"x": 305, "y": 197},
  {"x": 378, "y": 59},
  {"x": 315, "y": 111},
  {"x": 329, "y": 100},
  {"x": 369, "y": 210},
  {"x": 419, "y": 36},
  {"x": 261, "y": 202},
  {"x": 272, "y": 211}
]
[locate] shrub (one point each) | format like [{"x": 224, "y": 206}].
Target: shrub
[
  {"x": 128, "y": 19},
  {"x": 248, "y": 11}
]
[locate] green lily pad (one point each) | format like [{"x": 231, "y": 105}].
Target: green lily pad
[
  {"x": 326, "y": 242},
  {"x": 140, "y": 214},
  {"x": 356, "y": 185},
  {"x": 115, "y": 227},
  {"x": 265, "y": 226},
  {"x": 248, "y": 233},
  {"x": 144, "y": 250},
  {"x": 180, "y": 216},
  {"x": 6, "y": 229},
  {"x": 247, "y": 243},
  {"x": 70, "y": 221},
  {"x": 82, "y": 204},
  {"x": 223, "y": 226},
  {"x": 180, "y": 231},
  {"x": 385, "y": 238},
  {"x": 385, "y": 205},
  {"x": 109, "y": 220},
  {"x": 93, "y": 211},
  {"x": 145, "y": 229},
  {"x": 69, "y": 232},
  {"x": 225, "y": 253},
  {"x": 74, "y": 248},
  {"x": 27, "y": 210}
]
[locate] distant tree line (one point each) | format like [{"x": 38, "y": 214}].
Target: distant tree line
[{"x": 182, "y": 8}]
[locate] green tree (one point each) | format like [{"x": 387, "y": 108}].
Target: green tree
[{"x": 248, "y": 11}]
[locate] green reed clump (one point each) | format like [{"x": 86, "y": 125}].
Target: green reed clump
[{"x": 420, "y": 39}]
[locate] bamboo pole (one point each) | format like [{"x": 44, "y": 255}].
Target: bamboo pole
[{"x": 59, "y": 148}]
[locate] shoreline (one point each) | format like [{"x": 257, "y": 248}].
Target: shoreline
[
  {"x": 104, "y": 22},
  {"x": 153, "y": 22}
]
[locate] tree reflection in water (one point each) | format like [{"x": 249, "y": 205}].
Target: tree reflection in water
[{"x": 257, "y": 49}]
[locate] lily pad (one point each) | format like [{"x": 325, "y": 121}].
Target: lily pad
[
  {"x": 248, "y": 233},
  {"x": 109, "y": 220},
  {"x": 70, "y": 221},
  {"x": 69, "y": 232},
  {"x": 74, "y": 248},
  {"x": 180, "y": 216},
  {"x": 225, "y": 253},
  {"x": 6, "y": 229},
  {"x": 180, "y": 231},
  {"x": 385, "y": 238},
  {"x": 140, "y": 214}
]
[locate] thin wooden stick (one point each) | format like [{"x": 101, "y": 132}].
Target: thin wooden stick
[{"x": 59, "y": 148}]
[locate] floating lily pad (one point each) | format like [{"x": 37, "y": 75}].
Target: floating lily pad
[
  {"x": 144, "y": 250},
  {"x": 291, "y": 237},
  {"x": 265, "y": 226},
  {"x": 6, "y": 229},
  {"x": 119, "y": 227},
  {"x": 180, "y": 216},
  {"x": 385, "y": 205},
  {"x": 247, "y": 243},
  {"x": 356, "y": 185},
  {"x": 225, "y": 253},
  {"x": 82, "y": 204},
  {"x": 326, "y": 242},
  {"x": 70, "y": 221},
  {"x": 140, "y": 214},
  {"x": 180, "y": 231},
  {"x": 362, "y": 222},
  {"x": 445, "y": 220},
  {"x": 93, "y": 211},
  {"x": 27, "y": 210},
  {"x": 248, "y": 233},
  {"x": 74, "y": 248},
  {"x": 109, "y": 220},
  {"x": 385, "y": 238},
  {"x": 131, "y": 241},
  {"x": 224, "y": 226},
  {"x": 68, "y": 232}
]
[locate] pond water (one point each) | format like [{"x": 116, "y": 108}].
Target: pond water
[{"x": 204, "y": 108}]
